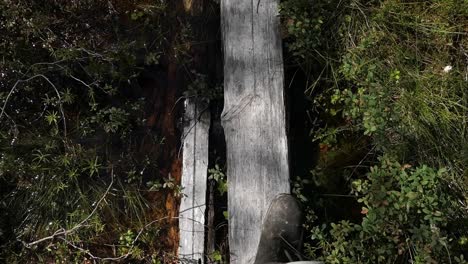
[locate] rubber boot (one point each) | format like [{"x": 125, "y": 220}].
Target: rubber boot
[{"x": 281, "y": 237}]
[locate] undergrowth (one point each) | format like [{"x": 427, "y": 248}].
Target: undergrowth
[
  {"x": 390, "y": 78},
  {"x": 80, "y": 165}
]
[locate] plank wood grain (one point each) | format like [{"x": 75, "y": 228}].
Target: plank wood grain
[
  {"x": 253, "y": 119},
  {"x": 194, "y": 182}
]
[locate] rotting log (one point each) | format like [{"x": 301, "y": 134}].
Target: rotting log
[
  {"x": 253, "y": 119},
  {"x": 161, "y": 90},
  {"x": 194, "y": 181},
  {"x": 204, "y": 50}
]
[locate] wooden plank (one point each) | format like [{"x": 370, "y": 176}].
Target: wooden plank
[
  {"x": 194, "y": 181},
  {"x": 253, "y": 119}
]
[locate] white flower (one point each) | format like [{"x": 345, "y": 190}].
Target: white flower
[{"x": 447, "y": 68}]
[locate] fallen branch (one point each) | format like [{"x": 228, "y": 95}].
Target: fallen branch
[
  {"x": 63, "y": 232},
  {"x": 124, "y": 256}
]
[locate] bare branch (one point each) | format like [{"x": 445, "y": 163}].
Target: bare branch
[
  {"x": 130, "y": 250},
  {"x": 63, "y": 232},
  {"x": 81, "y": 81},
  {"x": 51, "y": 84}
]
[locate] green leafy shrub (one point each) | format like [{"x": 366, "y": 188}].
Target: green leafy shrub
[
  {"x": 389, "y": 78},
  {"x": 303, "y": 26},
  {"x": 403, "y": 81},
  {"x": 218, "y": 175},
  {"x": 406, "y": 211},
  {"x": 72, "y": 127}
]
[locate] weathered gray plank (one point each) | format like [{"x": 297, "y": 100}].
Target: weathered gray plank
[
  {"x": 253, "y": 119},
  {"x": 194, "y": 181}
]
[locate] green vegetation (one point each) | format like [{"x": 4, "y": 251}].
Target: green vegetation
[
  {"x": 217, "y": 174},
  {"x": 84, "y": 155},
  {"x": 408, "y": 214},
  {"x": 79, "y": 161},
  {"x": 389, "y": 81}
]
